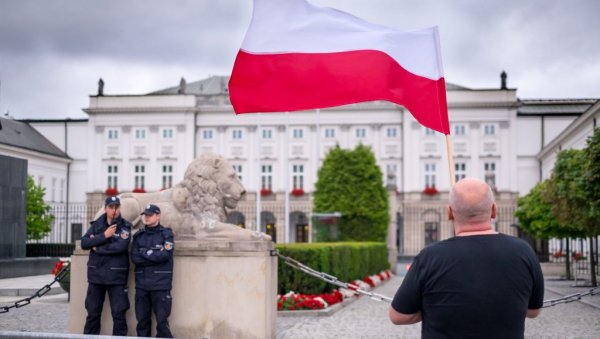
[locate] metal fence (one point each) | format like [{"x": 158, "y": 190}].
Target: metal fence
[{"x": 70, "y": 222}]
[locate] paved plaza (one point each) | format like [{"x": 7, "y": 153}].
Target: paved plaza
[{"x": 363, "y": 318}]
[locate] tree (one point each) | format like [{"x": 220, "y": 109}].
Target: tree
[
  {"x": 591, "y": 189},
  {"x": 570, "y": 192},
  {"x": 535, "y": 215},
  {"x": 350, "y": 182},
  {"x": 38, "y": 219},
  {"x": 534, "y": 212}
]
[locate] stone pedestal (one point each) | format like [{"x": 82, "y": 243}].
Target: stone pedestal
[{"x": 220, "y": 290}]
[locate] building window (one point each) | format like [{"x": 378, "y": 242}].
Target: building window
[
  {"x": 167, "y": 133},
  {"x": 236, "y": 134},
  {"x": 392, "y": 132},
  {"x": 361, "y": 132},
  {"x": 238, "y": 170},
  {"x": 113, "y": 173},
  {"x": 390, "y": 174},
  {"x": 429, "y": 131},
  {"x": 460, "y": 170},
  {"x": 140, "y": 133},
  {"x": 329, "y": 133},
  {"x": 459, "y": 129},
  {"x": 267, "y": 133},
  {"x": 266, "y": 177},
  {"x": 489, "y": 173},
  {"x": 431, "y": 232},
  {"x": 298, "y": 176},
  {"x": 140, "y": 176},
  {"x": 207, "y": 134},
  {"x": 298, "y": 133},
  {"x": 113, "y": 134},
  {"x": 53, "y": 189},
  {"x": 167, "y": 176},
  {"x": 62, "y": 190},
  {"x": 489, "y": 129},
  {"x": 430, "y": 174}
]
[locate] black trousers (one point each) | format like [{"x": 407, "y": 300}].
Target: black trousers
[
  {"x": 160, "y": 302},
  {"x": 119, "y": 304}
]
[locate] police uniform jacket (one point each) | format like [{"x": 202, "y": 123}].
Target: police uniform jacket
[
  {"x": 108, "y": 264},
  {"x": 152, "y": 254}
]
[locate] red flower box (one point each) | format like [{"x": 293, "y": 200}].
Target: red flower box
[
  {"x": 297, "y": 192},
  {"x": 265, "y": 192},
  {"x": 430, "y": 190},
  {"x": 111, "y": 192},
  {"x": 139, "y": 190}
]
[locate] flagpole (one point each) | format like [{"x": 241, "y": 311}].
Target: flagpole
[
  {"x": 259, "y": 175},
  {"x": 286, "y": 171},
  {"x": 450, "y": 160}
]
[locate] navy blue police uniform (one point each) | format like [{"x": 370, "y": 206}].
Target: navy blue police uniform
[
  {"x": 152, "y": 254},
  {"x": 107, "y": 271}
]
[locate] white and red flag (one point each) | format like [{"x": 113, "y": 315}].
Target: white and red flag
[{"x": 298, "y": 56}]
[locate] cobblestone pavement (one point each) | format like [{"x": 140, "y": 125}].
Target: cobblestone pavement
[{"x": 363, "y": 318}]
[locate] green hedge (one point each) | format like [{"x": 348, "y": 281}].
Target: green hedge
[{"x": 345, "y": 260}]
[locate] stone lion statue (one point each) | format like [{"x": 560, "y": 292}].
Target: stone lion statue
[{"x": 195, "y": 208}]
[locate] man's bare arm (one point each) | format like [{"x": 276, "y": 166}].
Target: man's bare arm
[
  {"x": 398, "y": 318},
  {"x": 532, "y": 313}
]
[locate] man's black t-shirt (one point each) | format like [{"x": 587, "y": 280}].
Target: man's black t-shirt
[{"x": 473, "y": 287}]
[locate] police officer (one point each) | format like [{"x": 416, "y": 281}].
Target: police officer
[
  {"x": 152, "y": 254},
  {"x": 108, "y": 268}
]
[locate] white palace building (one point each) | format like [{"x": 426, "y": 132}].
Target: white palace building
[{"x": 144, "y": 142}]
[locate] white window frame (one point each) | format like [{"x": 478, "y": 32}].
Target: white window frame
[
  {"x": 207, "y": 134},
  {"x": 237, "y": 134},
  {"x": 428, "y": 131},
  {"x": 361, "y": 132},
  {"x": 167, "y": 133},
  {"x": 167, "y": 175},
  {"x": 266, "y": 176},
  {"x": 489, "y": 173},
  {"x": 392, "y": 132},
  {"x": 430, "y": 174},
  {"x": 329, "y": 133},
  {"x": 298, "y": 176},
  {"x": 140, "y": 133},
  {"x": 239, "y": 170},
  {"x": 489, "y": 129},
  {"x": 298, "y": 133},
  {"x": 112, "y": 176},
  {"x": 460, "y": 129},
  {"x": 460, "y": 170},
  {"x": 267, "y": 133},
  {"x": 139, "y": 175},
  {"x": 112, "y": 133}
]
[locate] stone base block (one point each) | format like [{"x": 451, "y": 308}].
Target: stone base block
[{"x": 220, "y": 290}]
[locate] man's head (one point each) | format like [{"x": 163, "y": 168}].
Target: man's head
[
  {"x": 112, "y": 207},
  {"x": 472, "y": 204},
  {"x": 151, "y": 215}
]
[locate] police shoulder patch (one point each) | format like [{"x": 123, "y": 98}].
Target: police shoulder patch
[
  {"x": 125, "y": 234},
  {"x": 169, "y": 245}
]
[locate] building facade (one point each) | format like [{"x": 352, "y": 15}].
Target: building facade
[{"x": 144, "y": 142}]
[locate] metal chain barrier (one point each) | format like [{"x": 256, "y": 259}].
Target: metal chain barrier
[
  {"x": 378, "y": 297},
  {"x": 331, "y": 279},
  {"x": 571, "y": 297},
  {"x": 39, "y": 293}
]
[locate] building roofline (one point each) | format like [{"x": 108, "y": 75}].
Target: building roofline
[{"x": 572, "y": 126}]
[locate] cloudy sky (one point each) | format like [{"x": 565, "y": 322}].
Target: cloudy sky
[{"x": 52, "y": 53}]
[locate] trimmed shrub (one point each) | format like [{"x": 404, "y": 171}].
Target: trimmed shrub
[{"x": 345, "y": 260}]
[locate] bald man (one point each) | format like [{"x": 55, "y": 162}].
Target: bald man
[{"x": 478, "y": 284}]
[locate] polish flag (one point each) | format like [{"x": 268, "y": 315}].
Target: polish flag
[{"x": 297, "y": 56}]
